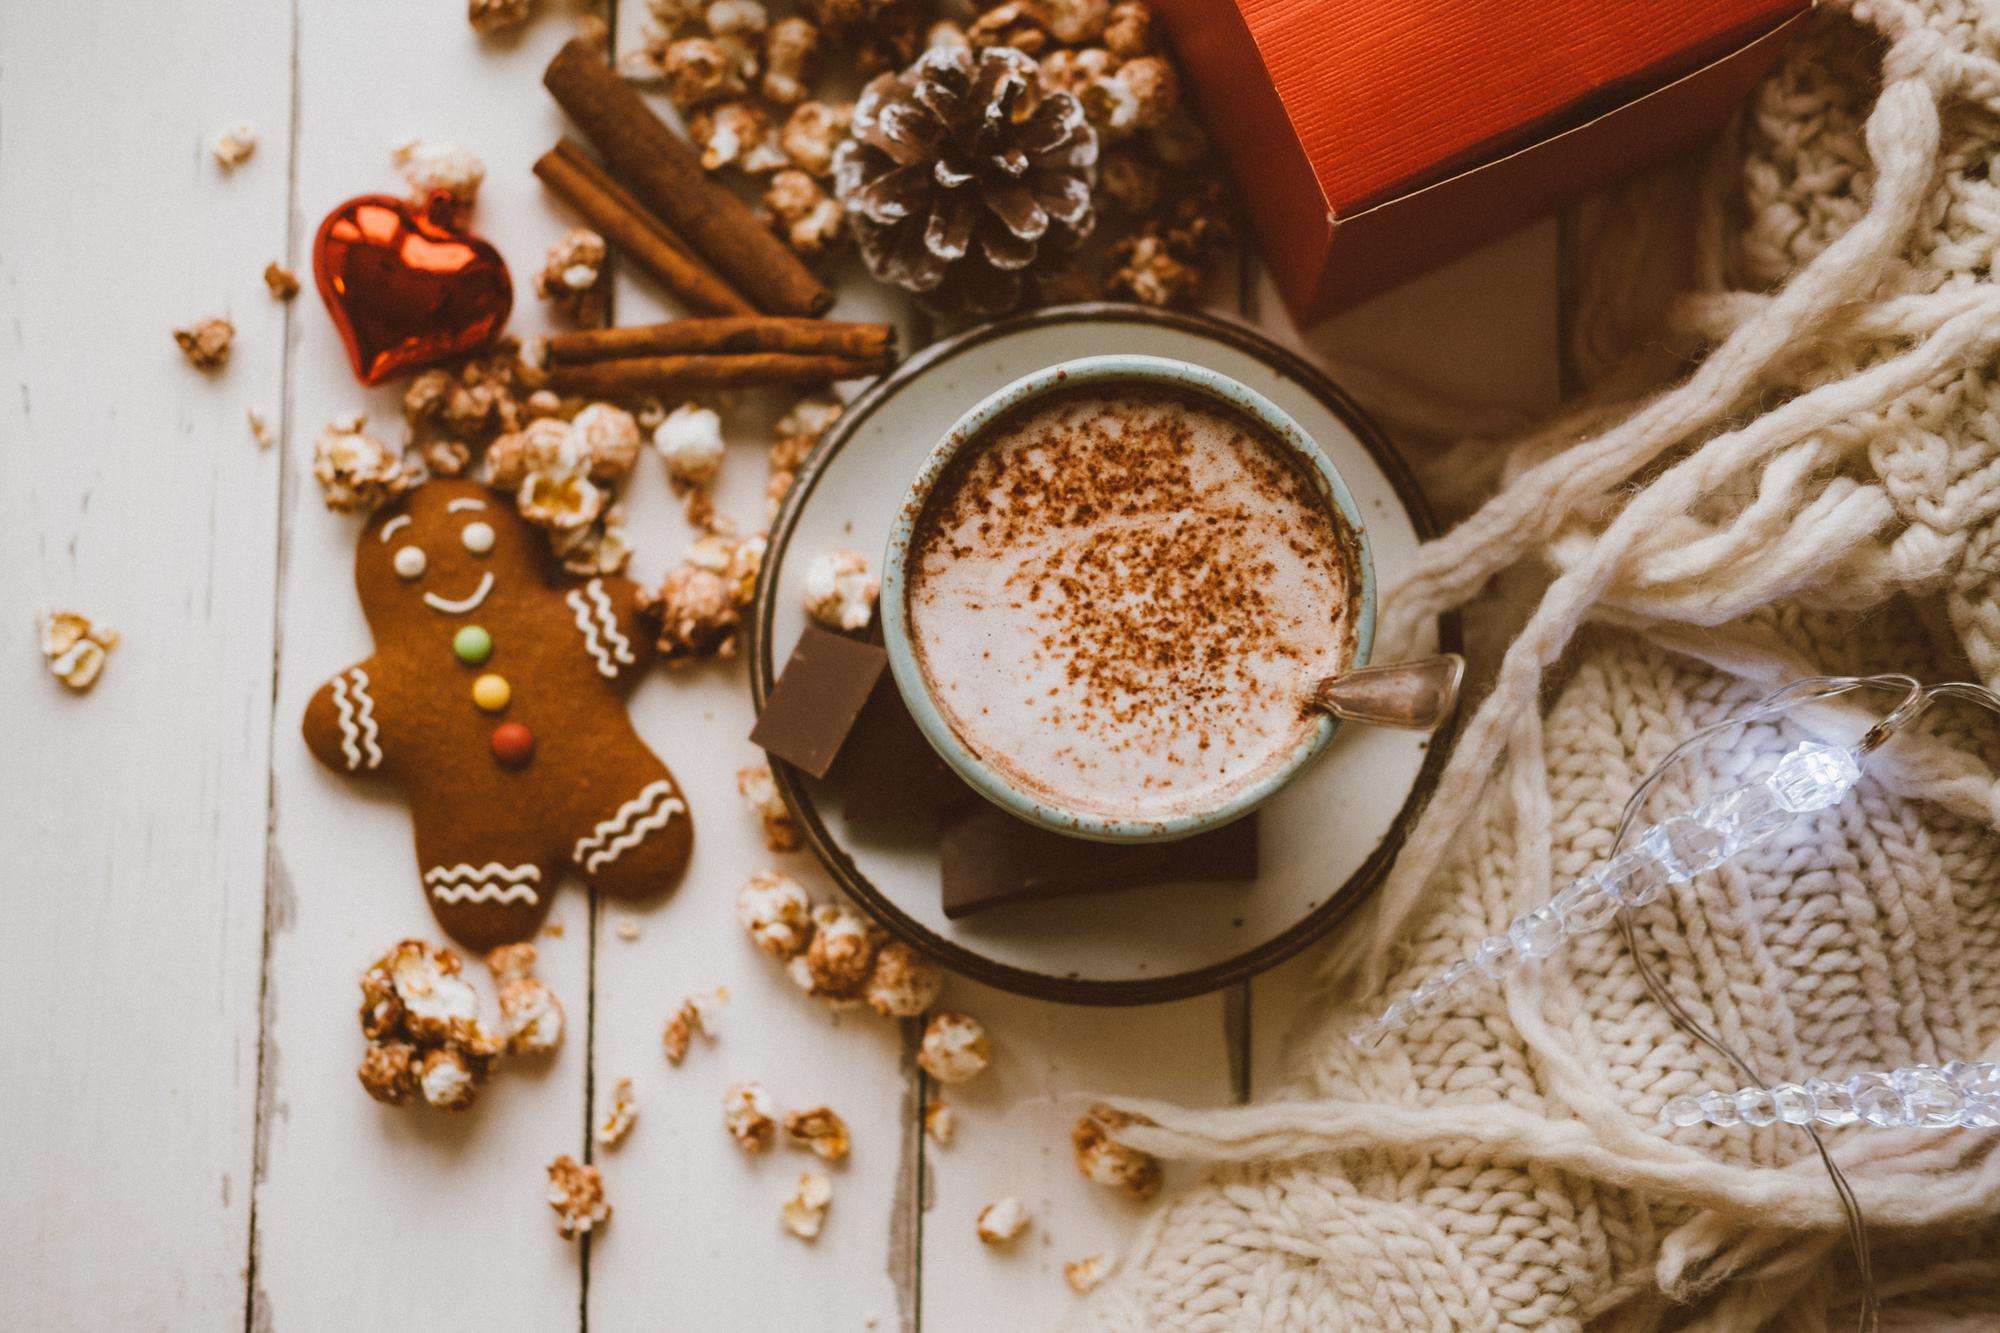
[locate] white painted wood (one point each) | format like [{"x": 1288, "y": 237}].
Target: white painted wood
[
  {"x": 135, "y": 820},
  {"x": 396, "y": 1215},
  {"x": 132, "y": 820},
  {"x": 699, "y": 1243},
  {"x": 1013, "y": 1138}
]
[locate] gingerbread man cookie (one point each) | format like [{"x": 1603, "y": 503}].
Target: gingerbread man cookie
[{"x": 495, "y": 702}]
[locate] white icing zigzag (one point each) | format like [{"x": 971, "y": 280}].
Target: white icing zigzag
[
  {"x": 628, "y": 826},
  {"x": 463, "y": 883},
  {"x": 358, "y": 729},
  {"x": 600, "y": 627}
]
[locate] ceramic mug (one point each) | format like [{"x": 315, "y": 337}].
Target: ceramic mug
[{"x": 909, "y": 674}]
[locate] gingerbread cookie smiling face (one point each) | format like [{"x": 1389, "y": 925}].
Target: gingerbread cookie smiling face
[{"x": 495, "y": 703}]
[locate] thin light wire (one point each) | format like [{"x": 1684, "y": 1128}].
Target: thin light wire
[{"x": 1916, "y": 698}]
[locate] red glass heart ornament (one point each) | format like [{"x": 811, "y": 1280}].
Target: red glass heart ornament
[{"x": 407, "y": 288}]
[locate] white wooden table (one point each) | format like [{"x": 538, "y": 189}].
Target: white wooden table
[{"x": 191, "y": 898}]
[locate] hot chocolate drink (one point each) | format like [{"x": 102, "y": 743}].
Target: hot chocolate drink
[{"x": 1120, "y": 597}]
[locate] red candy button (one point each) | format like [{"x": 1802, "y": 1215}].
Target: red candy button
[{"x": 513, "y": 744}]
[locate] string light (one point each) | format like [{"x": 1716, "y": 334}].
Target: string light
[
  {"x": 1812, "y": 777},
  {"x": 1962, "y": 1094}
]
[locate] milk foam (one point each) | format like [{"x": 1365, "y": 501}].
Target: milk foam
[{"x": 1121, "y": 598}]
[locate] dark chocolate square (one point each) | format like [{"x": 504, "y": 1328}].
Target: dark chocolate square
[{"x": 823, "y": 689}]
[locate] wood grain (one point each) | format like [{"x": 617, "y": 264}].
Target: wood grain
[
  {"x": 195, "y": 897},
  {"x": 133, "y": 818}
]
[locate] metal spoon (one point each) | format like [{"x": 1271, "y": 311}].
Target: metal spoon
[{"x": 1416, "y": 696}]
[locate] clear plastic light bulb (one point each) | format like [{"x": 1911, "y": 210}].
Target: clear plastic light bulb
[{"x": 1810, "y": 777}]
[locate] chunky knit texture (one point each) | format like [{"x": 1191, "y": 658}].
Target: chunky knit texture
[{"x": 1818, "y": 493}]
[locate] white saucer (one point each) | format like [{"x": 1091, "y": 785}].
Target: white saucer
[{"x": 1323, "y": 841}]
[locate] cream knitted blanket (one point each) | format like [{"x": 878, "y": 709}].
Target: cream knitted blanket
[{"x": 1818, "y": 493}]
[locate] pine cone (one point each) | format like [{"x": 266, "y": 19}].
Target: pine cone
[{"x": 961, "y": 171}]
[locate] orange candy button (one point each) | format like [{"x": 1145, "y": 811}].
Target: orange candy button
[{"x": 491, "y": 692}]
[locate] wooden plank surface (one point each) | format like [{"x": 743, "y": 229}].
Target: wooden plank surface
[
  {"x": 132, "y": 820},
  {"x": 394, "y": 1215},
  {"x": 185, "y": 988}
]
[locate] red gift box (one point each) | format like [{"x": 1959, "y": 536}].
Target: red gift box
[{"x": 1372, "y": 139}]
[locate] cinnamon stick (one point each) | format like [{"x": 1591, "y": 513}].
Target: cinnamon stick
[
  {"x": 641, "y": 376},
  {"x": 634, "y": 233},
  {"x": 666, "y": 175},
  {"x": 872, "y": 343}
]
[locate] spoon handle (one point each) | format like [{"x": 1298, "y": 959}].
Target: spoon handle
[{"x": 1416, "y": 696}]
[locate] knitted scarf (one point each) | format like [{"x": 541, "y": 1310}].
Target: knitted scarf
[{"x": 1817, "y": 493}]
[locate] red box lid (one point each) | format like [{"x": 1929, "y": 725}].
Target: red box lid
[{"x": 1326, "y": 109}]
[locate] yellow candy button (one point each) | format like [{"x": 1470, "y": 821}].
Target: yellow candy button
[{"x": 491, "y": 692}]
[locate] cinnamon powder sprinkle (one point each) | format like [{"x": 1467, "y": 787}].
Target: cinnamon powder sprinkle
[{"x": 1175, "y": 565}]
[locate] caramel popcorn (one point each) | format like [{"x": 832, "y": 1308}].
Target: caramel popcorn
[
  {"x": 421, "y": 1019},
  {"x": 774, "y": 909},
  {"x": 819, "y": 1131},
  {"x": 736, "y": 18},
  {"x": 811, "y": 133},
  {"x": 791, "y": 56},
  {"x": 728, "y": 134},
  {"x": 576, "y": 1192},
  {"x": 689, "y": 441},
  {"x": 607, "y": 438},
  {"x": 232, "y": 147},
  {"x": 839, "y": 593},
  {"x": 1109, "y": 1163},
  {"x": 473, "y": 403},
  {"x": 603, "y": 549},
  {"x": 1128, "y": 30},
  {"x": 1130, "y": 183},
  {"x": 902, "y": 983},
  {"x": 206, "y": 342},
  {"x": 531, "y": 1017},
  {"x": 1153, "y": 88},
  {"x": 572, "y": 276},
  {"x": 260, "y": 429},
  {"x": 941, "y": 1123},
  {"x": 626, "y": 929},
  {"x": 357, "y": 472},
  {"x": 389, "y": 1071},
  {"x": 806, "y": 420},
  {"x": 840, "y": 957},
  {"x": 1019, "y": 24},
  {"x": 1002, "y": 1220},
  {"x": 1152, "y": 274},
  {"x": 617, "y": 1122},
  {"x": 954, "y": 1048},
  {"x": 542, "y": 445},
  {"x": 431, "y": 168},
  {"x": 697, "y": 1014},
  {"x": 804, "y": 1214},
  {"x": 1075, "y": 21},
  {"x": 700, "y": 70},
  {"x": 436, "y": 1004},
  {"x": 802, "y": 212},
  {"x": 487, "y": 16},
  {"x": 747, "y": 1113},
  {"x": 448, "y": 1080},
  {"x": 1086, "y": 1274},
  {"x": 75, "y": 649},
  {"x": 734, "y": 558},
  {"x": 756, "y": 785},
  {"x": 283, "y": 283},
  {"x": 699, "y": 616}
]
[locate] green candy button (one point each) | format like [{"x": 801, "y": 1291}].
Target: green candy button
[{"x": 472, "y": 644}]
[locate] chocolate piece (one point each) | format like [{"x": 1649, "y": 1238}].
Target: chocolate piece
[
  {"x": 826, "y": 683},
  {"x": 988, "y": 858},
  {"x": 890, "y": 777}
]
